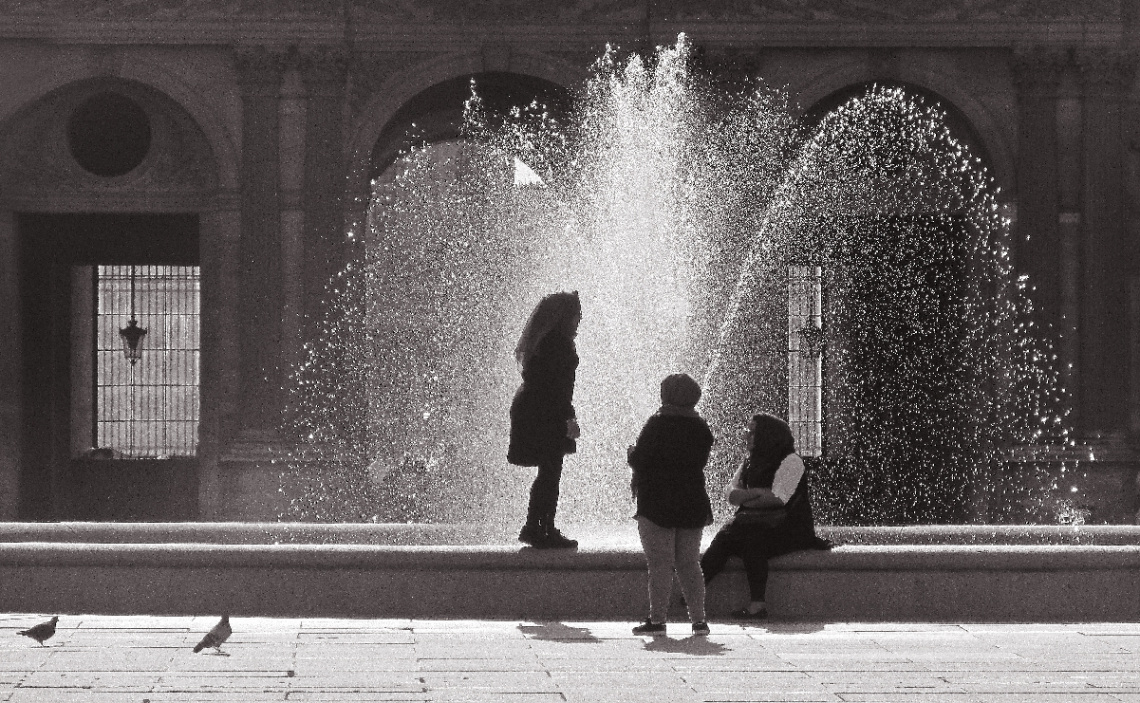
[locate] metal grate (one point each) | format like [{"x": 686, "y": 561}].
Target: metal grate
[
  {"x": 148, "y": 409},
  {"x": 805, "y": 358}
]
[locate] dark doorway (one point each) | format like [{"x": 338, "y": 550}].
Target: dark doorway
[{"x": 65, "y": 473}]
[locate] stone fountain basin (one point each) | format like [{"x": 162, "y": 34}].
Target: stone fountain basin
[{"x": 930, "y": 573}]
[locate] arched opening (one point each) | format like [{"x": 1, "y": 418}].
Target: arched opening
[
  {"x": 436, "y": 114},
  {"x": 898, "y": 296}
]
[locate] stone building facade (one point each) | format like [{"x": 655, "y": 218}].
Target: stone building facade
[{"x": 264, "y": 122}]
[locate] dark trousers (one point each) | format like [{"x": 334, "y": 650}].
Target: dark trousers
[
  {"x": 544, "y": 494},
  {"x": 755, "y": 546}
]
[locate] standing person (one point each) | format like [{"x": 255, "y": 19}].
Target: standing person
[
  {"x": 544, "y": 426},
  {"x": 773, "y": 514},
  {"x": 673, "y": 506}
]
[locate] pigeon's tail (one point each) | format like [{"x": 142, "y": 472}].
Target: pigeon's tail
[{"x": 199, "y": 647}]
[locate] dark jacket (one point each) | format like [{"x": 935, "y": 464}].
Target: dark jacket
[
  {"x": 669, "y": 471},
  {"x": 543, "y": 403}
]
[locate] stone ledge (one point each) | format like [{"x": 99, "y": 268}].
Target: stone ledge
[
  {"x": 459, "y": 534},
  {"x": 893, "y": 558}
]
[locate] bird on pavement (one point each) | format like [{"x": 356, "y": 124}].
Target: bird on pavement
[
  {"x": 216, "y": 636},
  {"x": 42, "y": 632}
]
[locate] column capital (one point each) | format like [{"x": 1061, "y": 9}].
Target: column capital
[
  {"x": 1037, "y": 69},
  {"x": 260, "y": 68},
  {"x": 1105, "y": 72},
  {"x": 323, "y": 69}
]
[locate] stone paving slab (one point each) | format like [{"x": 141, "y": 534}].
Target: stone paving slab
[{"x": 145, "y": 659}]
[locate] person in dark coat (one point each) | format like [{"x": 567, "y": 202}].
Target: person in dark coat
[
  {"x": 544, "y": 425},
  {"x": 773, "y": 514},
  {"x": 673, "y": 506}
]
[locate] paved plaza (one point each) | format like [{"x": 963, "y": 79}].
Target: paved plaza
[{"x": 146, "y": 658}]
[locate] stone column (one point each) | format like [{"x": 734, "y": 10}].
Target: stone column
[
  {"x": 260, "y": 283},
  {"x": 1069, "y": 160},
  {"x": 1104, "y": 247},
  {"x": 325, "y": 72},
  {"x": 221, "y": 353},
  {"x": 1037, "y": 246},
  {"x": 292, "y": 176},
  {"x": 10, "y": 369}
]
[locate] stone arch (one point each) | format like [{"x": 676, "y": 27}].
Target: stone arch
[
  {"x": 179, "y": 171},
  {"x": 998, "y": 155},
  {"x": 401, "y": 87},
  {"x": 208, "y": 119},
  {"x": 907, "y": 268}
]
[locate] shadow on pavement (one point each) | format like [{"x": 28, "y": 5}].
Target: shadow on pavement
[
  {"x": 558, "y": 631},
  {"x": 695, "y": 644}
]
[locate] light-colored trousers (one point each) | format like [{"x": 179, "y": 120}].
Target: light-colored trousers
[{"x": 669, "y": 549}]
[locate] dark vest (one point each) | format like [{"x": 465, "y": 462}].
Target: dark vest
[{"x": 795, "y": 518}]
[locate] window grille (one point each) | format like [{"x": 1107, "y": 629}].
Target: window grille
[
  {"x": 148, "y": 409},
  {"x": 805, "y": 358}
]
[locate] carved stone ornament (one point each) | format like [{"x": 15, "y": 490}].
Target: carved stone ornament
[
  {"x": 37, "y": 163},
  {"x": 540, "y": 11},
  {"x": 812, "y": 339},
  {"x": 259, "y": 69},
  {"x": 323, "y": 68},
  {"x": 876, "y": 11},
  {"x": 171, "y": 9},
  {"x": 511, "y": 11},
  {"x": 1105, "y": 73},
  {"x": 369, "y": 71},
  {"x": 1037, "y": 70}
]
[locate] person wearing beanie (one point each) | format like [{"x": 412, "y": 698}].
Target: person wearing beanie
[{"x": 668, "y": 485}]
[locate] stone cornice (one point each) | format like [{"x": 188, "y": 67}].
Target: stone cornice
[
  {"x": 435, "y": 25},
  {"x": 567, "y": 11}
]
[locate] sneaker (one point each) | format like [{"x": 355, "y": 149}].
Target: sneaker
[
  {"x": 532, "y": 535},
  {"x": 700, "y": 628},
  {"x": 554, "y": 539},
  {"x": 745, "y": 614},
  {"x": 650, "y": 628}
]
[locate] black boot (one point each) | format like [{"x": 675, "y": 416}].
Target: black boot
[
  {"x": 554, "y": 539},
  {"x": 533, "y": 533}
]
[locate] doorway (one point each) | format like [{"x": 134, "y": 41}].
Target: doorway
[{"x": 108, "y": 437}]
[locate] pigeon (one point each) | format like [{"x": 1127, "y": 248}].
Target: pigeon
[
  {"x": 42, "y": 632},
  {"x": 216, "y": 636}
]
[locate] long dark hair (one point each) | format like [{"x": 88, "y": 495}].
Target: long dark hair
[
  {"x": 550, "y": 313},
  {"x": 772, "y": 440}
]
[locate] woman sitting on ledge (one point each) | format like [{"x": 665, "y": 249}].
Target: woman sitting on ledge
[{"x": 773, "y": 514}]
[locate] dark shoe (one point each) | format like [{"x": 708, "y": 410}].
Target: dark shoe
[
  {"x": 745, "y": 614},
  {"x": 532, "y": 535},
  {"x": 556, "y": 540},
  {"x": 700, "y": 628},
  {"x": 650, "y": 628}
]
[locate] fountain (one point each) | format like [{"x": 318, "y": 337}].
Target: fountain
[{"x": 675, "y": 208}]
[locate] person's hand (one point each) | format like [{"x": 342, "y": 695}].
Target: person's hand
[
  {"x": 629, "y": 451},
  {"x": 572, "y": 429},
  {"x": 633, "y": 490}
]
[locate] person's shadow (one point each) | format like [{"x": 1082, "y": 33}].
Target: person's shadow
[
  {"x": 696, "y": 645},
  {"x": 556, "y": 631}
]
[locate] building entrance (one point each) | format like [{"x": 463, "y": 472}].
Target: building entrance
[{"x": 110, "y": 432}]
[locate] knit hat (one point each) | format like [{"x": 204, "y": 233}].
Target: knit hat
[{"x": 680, "y": 389}]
